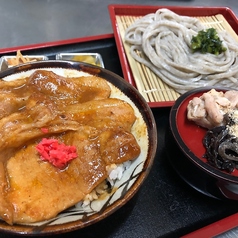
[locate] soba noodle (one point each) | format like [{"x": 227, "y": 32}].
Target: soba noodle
[{"x": 161, "y": 41}]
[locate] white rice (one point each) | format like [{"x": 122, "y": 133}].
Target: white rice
[{"x": 115, "y": 172}]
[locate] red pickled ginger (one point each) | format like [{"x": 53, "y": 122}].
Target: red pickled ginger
[{"x": 58, "y": 154}]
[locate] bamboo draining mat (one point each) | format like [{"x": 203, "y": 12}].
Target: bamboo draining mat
[{"x": 152, "y": 88}]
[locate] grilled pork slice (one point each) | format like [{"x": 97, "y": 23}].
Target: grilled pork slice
[
  {"x": 10, "y": 103},
  {"x": 68, "y": 90},
  {"x": 118, "y": 146},
  {"x": 103, "y": 114},
  {"x": 62, "y": 90},
  {"x": 38, "y": 191},
  {"x": 44, "y": 118}
]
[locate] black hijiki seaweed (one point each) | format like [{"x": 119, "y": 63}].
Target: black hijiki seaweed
[{"x": 221, "y": 149}]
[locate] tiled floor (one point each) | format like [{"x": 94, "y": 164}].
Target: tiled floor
[{"x": 24, "y": 22}]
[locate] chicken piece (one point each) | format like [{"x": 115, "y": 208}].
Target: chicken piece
[
  {"x": 39, "y": 191},
  {"x": 196, "y": 108},
  {"x": 68, "y": 90},
  {"x": 232, "y": 96},
  {"x": 209, "y": 109},
  {"x": 196, "y": 112},
  {"x": 214, "y": 114}
]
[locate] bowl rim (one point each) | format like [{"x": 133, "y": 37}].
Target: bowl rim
[
  {"x": 184, "y": 148},
  {"x": 147, "y": 115}
]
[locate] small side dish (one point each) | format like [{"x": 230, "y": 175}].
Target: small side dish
[
  {"x": 19, "y": 59},
  {"x": 217, "y": 111},
  {"x": 200, "y": 126},
  {"x": 10, "y": 61},
  {"x": 90, "y": 58}
]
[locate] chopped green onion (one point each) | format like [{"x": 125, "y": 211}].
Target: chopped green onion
[{"x": 207, "y": 41}]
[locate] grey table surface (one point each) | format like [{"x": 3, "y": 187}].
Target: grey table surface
[{"x": 24, "y": 22}]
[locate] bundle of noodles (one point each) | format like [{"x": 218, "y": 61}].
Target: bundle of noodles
[{"x": 161, "y": 41}]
